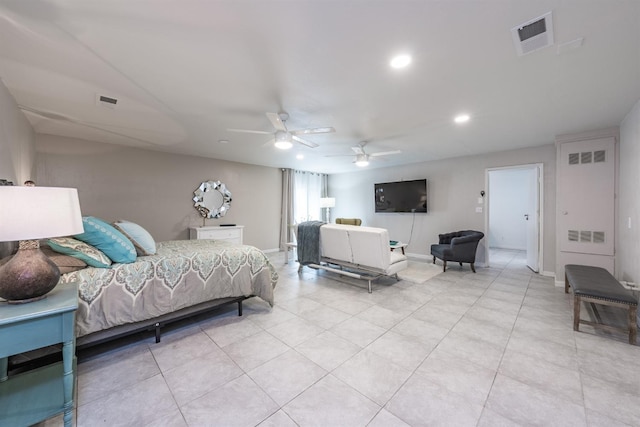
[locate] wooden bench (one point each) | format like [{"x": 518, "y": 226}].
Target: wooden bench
[{"x": 596, "y": 285}]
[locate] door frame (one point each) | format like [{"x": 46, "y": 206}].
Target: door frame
[{"x": 540, "y": 216}]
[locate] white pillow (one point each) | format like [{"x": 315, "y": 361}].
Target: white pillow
[{"x": 141, "y": 238}]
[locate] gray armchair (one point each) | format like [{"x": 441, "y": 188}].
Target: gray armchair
[{"x": 459, "y": 246}]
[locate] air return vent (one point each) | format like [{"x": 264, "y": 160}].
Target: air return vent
[
  {"x": 534, "y": 34},
  {"x": 106, "y": 101}
]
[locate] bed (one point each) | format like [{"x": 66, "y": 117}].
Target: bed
[{"x": 182, "y": 278}]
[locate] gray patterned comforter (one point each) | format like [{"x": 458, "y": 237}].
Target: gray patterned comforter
[{"x": 181, "y": 274}]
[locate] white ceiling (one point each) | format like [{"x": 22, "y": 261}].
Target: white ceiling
[{"x": 185, "y": 71}]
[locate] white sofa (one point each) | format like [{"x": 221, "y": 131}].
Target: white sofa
[{"x": 364, "y": 249}]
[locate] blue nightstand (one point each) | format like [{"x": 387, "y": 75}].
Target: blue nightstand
[{"x": 30, "y": 397}]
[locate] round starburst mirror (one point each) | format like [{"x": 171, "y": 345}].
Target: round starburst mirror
[{"x": 212, "y": 199}]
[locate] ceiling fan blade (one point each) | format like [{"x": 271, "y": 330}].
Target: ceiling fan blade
[
  {"x": 276, "y": 121},
  {"x": 304, "y": 142},
  {"x": 260, "y": 132},
  {"x": 312, "y": 130},
  {"x": 385, "y": 153},
  {"x": 269, "y": 143},
  {"x": 358, "y": 149},
  {"x": 338, "y": 155}
]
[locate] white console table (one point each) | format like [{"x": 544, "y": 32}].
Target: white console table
[{"x": 231, "y": 233}]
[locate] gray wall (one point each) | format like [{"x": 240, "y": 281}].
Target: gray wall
[
  {"x": 453, "y": 189},
  {"x": 155, "y": 189},
  {"x": 17, "y": 150},
  {"x": 628, "y": 241}
]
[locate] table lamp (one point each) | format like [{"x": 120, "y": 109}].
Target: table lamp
[
  {"x": 327, "y": 203},
  {"x": 28, "y": 214}
]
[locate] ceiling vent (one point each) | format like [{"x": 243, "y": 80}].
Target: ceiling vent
[
  {"x": 106, "y": 101},
  {"x": 534, "y": 34}
]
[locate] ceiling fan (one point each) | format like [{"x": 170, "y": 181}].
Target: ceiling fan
[
  {"x": 284, "y": 138},
  {"x": 362, "y": 157}
]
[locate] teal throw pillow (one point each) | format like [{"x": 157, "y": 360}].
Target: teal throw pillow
[
  {"x": 105, "y": 237},
  {"x": 80, "y": 250},
  {"x": 141, "y": 238}
]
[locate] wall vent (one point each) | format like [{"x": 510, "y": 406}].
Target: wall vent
[
  {"x": 534, "y": 34},
  {"x": 585, "y": 157},
  {"x": 106, "y": 101},
  {"x": 585, "y": 236}
]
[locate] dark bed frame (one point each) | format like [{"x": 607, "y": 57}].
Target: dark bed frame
[
  {"x": 156, "y": 323},
  {"x": 52, "y": 354}
]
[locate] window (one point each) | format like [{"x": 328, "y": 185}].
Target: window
[{"x": 308, "y": 188}]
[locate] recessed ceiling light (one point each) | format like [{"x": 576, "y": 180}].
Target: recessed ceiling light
[
  {"x": 223, "y": 141},
  {"x": 461, "y": 118},
  {"x": 400, "y": 61},
  {"x": 300, "y": 156}
]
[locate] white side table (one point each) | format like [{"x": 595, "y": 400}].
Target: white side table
[{"x": 399, "y": 245}]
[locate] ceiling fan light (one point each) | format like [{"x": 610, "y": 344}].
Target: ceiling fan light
[
  {"x": 283, "y": 140},
  {"x": 283, "y": 145},
  {"x": 362, "y": 160}
]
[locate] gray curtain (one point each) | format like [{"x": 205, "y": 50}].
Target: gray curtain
[
  {"x": 325, "y": 185},
  {"x": 286, "y": 216}
]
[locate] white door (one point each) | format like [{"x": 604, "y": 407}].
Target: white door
[{"x": 532, "y": 217}]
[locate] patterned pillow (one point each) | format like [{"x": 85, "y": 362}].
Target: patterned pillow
[
  {"x": 65, "y": 263},
  {"x": 141, "y": 238},
  {"x": 105, "y": 237},
  {"x": 77, "y": 249}
]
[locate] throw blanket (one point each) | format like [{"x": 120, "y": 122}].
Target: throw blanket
[{"x": 309, "y": 242}]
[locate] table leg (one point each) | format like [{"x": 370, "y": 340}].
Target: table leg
[
  {"x": 67, "y": 363},
  {"x": 4, "y": 367}
]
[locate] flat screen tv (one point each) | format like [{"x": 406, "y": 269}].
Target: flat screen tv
[{"x": 401, "y": 196}]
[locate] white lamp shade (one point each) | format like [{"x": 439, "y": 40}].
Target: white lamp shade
[
  {"x": 30, "y": 213},
  {"x": 327, "y": 202}
]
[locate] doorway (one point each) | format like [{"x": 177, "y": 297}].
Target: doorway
[{"x": 513, "y": 206}]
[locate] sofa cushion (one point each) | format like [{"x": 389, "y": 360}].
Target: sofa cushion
[
  {"x": 334, "y": 242},
  {"x": 370, "y": 247}
]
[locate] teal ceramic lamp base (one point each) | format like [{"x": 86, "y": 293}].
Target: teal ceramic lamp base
[{"x": 28, "y": 276}]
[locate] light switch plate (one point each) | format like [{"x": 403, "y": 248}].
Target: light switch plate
[{"x": 479, "y": 209}]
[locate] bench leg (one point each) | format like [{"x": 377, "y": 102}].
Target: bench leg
[
  {"x": 633, "y": 326},
  {"x": 566, "y": 284},
  {"x": 473, "y": 267},
  {"x": 444, "y": 266},
  {"x": 576, "y": 312}
]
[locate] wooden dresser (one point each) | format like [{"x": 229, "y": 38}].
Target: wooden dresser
[{"x": 231, "y": 234}]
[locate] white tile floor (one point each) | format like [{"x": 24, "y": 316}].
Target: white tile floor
[{"x": 494, "y": 348}]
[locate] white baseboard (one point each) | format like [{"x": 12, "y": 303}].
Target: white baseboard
[{"x": 268, "y": 251}]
